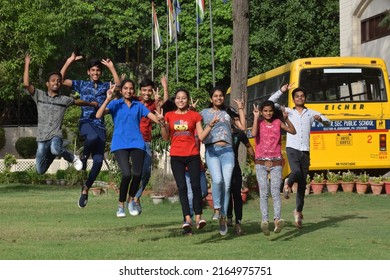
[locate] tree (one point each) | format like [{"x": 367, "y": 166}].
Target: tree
[{"x": 240, "y": 52}]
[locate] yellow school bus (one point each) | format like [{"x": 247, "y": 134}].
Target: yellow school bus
[{"x": 353, "y": 92}]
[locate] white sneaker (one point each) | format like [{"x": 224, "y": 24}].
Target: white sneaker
[
  {"x": 133, "y": 209},
  {"x": 121, "y": 212},
  {"x": 265, "y": 227},
  {"x": 77, "y": 163}
]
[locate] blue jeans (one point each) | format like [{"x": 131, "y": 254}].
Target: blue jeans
[
  {"x": 276, "y": 181},
  {"x": 146, "y": 170},
  {"x": 203, "y": 188},
  {"x": 94, "y": 145},
  {"x": 220, "y": 161},
  {"x": 47, "y": 151}
]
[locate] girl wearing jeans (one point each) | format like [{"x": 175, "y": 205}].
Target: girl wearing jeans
[
  {"x": 127, "y": 141},
  {"x": 268, "y": 159},
  {"x": 219, "y": 152}
]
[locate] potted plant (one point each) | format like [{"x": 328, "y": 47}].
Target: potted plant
[
  {"x": 376, "y": 184},
  {"x": 362, "y": 183},
  {"x": 332, "y": 181},
  {"x": 171, "y": 191},
  {"x": 157, "y": 182},
  {"x": 387, "y": 184},
  {"x": 49, "y": 178},
  {"x": 348, "y": 181},
  {"x": 317, "y": 184}
]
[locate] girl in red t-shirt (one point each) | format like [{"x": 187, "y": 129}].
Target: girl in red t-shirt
[{"x": 180, "y": 126}]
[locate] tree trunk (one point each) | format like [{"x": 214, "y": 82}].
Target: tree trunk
[
  {"x": 240, "y": 52},
  {"x": 240, "y": 59}
]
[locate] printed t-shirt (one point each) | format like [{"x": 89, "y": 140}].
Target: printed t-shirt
[{"x": 182, "y": 128}]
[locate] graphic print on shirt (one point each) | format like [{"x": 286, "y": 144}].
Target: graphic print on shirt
[{"x": 181, "y": 128}]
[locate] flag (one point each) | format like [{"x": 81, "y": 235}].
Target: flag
[
  {"x": 177, "y": 11},
  {"x": 156, "y": 30},
  {"x": 200, "y": 11},
  {"x": 171, "y": 22}
]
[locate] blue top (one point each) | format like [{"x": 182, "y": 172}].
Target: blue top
[
  {"x": 90, "y": 91},
  {"x": 127, "y": 133}
]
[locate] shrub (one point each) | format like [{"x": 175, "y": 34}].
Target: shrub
[
  {"x": 74, "y": 177},
  {"x": 60, "y": 174},
  {"x": 26, "y": 147},
  {"x": 2, "y": 138},
  {"x": 9, "y": 160}
]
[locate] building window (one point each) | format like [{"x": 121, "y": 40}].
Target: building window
[{"x": 371, "y": 30}]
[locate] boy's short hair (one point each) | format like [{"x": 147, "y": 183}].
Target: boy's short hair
[
  {"x": 94, "y": 62},
  {"x": 145, "y": 83},
  {"x": 54, "y": 73},
  {"x": 299, "y": 89}
]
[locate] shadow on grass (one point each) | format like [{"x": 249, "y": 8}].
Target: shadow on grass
[{"x": 290, "y": 231}]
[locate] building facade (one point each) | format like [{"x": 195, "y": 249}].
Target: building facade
[{"x": 360, "y": 34}]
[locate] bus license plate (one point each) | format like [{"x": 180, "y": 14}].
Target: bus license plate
[{"x": 344, "y": 140}]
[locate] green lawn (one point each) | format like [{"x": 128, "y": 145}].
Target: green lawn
[{"x": 44, "y": 223}]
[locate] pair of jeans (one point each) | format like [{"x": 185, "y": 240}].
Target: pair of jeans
[
  {"x": 47, "y": 151},
  {"x": 130, "y": 172},
  {"x": 178, "y": 166},
  {"x": 235, "y": 195},
  {"x": 203, "y": 188},
  {"x": 299, "y": 162},
  {"x": 146, "y": 170},
  {"x": 94, "y": 145},
  {"x": 275, "y": 173},
  {"x": 220, "y": 162}
]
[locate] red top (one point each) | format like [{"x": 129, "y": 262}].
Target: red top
[
  {"x": 146, "y": 123},
  {"x": 182, "y": 133}
]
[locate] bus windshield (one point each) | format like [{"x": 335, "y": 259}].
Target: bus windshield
[{"x": 343, "y": 84}]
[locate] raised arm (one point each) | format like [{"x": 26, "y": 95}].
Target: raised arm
[
  {"x": 284, "y": 89},
  {"x": 69, "y": 61},
  {"x": 110, "y": 65},
  {"x": 241, "y": 122},
  {"x": 164, "y": 83},
  {"x": 256, "y": 115},
  {"x": 26, "y": 75},
  {"x": 103, "y": 109}
]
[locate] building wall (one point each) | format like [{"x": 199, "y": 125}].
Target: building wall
[
  {"x": 352, "y": 12},
  {"x": 12, "y": 134}
]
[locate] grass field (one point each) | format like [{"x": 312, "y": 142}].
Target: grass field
[{"x": 44, "y": 223}]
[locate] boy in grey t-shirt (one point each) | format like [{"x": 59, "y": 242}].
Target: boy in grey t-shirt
[{"x": 51, "y": 108}]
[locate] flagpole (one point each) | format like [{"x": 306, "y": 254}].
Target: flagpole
[
  {"x": 212, "y": 44},
  {"x": 167, "y": 52},
  {"x": 177, "y": 61},
  {"x": 197, "y": 49},
  {"x": 152, "y": 41}
]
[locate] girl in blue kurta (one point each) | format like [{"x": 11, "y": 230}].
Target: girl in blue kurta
[{"x": 127, "y": 141}]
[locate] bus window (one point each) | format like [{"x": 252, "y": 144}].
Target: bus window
[{"x": 343, "y": 84}]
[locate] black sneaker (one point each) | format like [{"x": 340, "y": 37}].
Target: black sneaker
[{"x": 83, "y": 200}]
